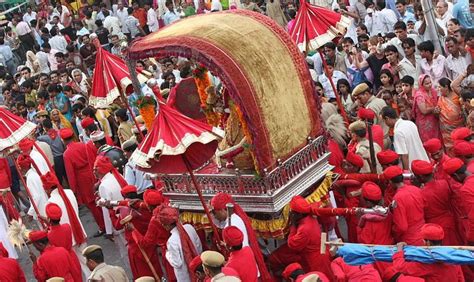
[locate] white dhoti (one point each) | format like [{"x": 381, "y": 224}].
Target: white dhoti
[{"x": 4, "y": 237}]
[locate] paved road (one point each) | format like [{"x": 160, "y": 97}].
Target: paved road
[{"x": 111, "y": 252}]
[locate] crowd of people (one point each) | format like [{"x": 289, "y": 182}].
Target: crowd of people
[{"x": 412, "y": 93}]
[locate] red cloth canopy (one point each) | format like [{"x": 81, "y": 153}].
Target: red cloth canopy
[
  {"x": 111, "y": 76},
  {"x": 172, "y": 136},
  {"x": 13, "y": 129},
  {"x": 316, "y": 26}
]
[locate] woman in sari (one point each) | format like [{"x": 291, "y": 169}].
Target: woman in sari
[
  {"x": 425, "y": 109},
  {"x": 450, "y": 112}
]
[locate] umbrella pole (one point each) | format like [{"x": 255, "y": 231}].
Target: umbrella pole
[
  {"x": 133, "y": 116},
  {"x": 201, "y": 198},
  {"x": 29, "y": 195},
  {"x": 338, "y": 98}
]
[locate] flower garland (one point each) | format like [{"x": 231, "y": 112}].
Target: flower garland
[
  {"x": 247, "y": 135},
  {"x": 201, "y": 77},
  {"x": 146, "y": 107}
]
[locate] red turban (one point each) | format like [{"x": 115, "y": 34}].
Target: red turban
[
  {"x": 420, "y": 167},
  {"x": 300, "y": 205},
  {"x": 195, "y": 263},
  {"x": 462, "y": 148},
  {"x": 371, "y": 191},
  {"x": 290, "y": 269},
  {"x": 387, "y": 157},
  {"x": 433, "y": 232},
  {"x": 452, "y": 165},
  {"x": 24, "y": 161},
  {"x": 152, "y": 197},
  {"x": 66, "y": 133},
  {"x": 3, "y": 251},
  {"x": 53, "y": 211},
  {"x": 232, "y": 236},
  {"x": 168, "y": 215},
  {"x": 86, "y": 122},
  {"x": 37, "y": 235},
  {"x": 49, "y": 180},
  {"x": 128, "y": 189},
  {"x": 460, "y": 133},
  {"x": 392, "y": 171},
  {"x": 103, "y": 164},
  {"x": 220, "y": 200},
  {"x": 366, "y": 114},
  {"x": 355, "y": 159},
  {"x": 26, "y": 144},
  {"x": 433, "y": 145}
]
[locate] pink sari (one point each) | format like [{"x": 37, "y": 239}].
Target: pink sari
[
  {"x": 428, "y": 125},
  {"x": 450, "y": 118}
]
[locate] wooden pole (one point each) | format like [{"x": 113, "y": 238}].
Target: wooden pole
[{"x": 147, "y": 259}]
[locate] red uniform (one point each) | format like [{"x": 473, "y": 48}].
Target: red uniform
[
  {"x": 408, "y": 215},
  {"x": 61, "y": 236},
  {"x": 305, "y": 239},
  {"x": 438, "y": 170},
  {"x": 467, "y": 197},
  {"x": 437, "y": 272},
  {"x": 337, "y": 156},
  {"x": 79, "y": 161},
  {"x": 345, "y": 272},
  {"x": 375, "y": 229},
  {"x": 10, "y": 270},
  {"x": 350, "y": 201},
  {"x": 7, "y": 200},
  {"x": 436, "y": 195},
  {"x": 54, "y": 262},
  {"x": 137, "y": 261},
  {"x": 243, "y": 261}
]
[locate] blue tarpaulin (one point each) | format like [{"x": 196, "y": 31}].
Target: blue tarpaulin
[{"x": 355, "y": 254}]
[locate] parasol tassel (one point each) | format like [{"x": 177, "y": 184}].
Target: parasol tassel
[{"x": 17, "y": 233}]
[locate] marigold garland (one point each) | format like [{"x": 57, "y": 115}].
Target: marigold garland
[
  {"x": 248, "y": 136},
  {"x": 146, "y": 107},
  {"x": 203, "y": 81}
]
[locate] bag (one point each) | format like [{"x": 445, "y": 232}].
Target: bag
[{"x": 358, "y": 76}]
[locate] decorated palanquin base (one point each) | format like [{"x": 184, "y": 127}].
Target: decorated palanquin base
[
  {"x": 266, "y": 76},
  {"x": 272, "y": 228}
]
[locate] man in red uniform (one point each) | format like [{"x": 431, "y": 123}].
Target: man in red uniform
[
  {"x": 6, "y": 197},
  {"x": 461, "y": 133},
  {"x": 140, "y": 218},
  {"x": 407, "y": 208},
  {"x": 60, "y": 235},
  {"x": 52, "y": 262},
  {"x": 388, "y": 158},
  {"x": 79, "y": 164},
  {"x": 295, "y": 273},
  {"x": 435, "y": 151},
  {"x": 464, "y": 151},
  {"x": 433, "y": 235},
  {"x": 457, "y": 170},
  {"x": 345, "y": 272},
  {"x": 10, "y": 269},
  {"x": 436, "y": 195},
  {"x": 241, "y": 258},
  {"x": 305, "y": 237},
  {"x": 374, "y": 229},
  {"x": 156, "y": 235}
]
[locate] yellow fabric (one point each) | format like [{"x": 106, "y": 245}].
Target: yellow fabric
[
  {"x": 274, "y": 228},
  {"x": 283, "y": 107}
]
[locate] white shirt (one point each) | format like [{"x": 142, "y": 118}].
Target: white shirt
[
  {"x": 38, "y": 195},
  {"x": 40, "y": 162},
  {"x": 174, "y": 252},
  {"x": 50, "y": 26},
  {"x": 152, "y": 20},
  {"x": 28, "y": 17},
  {"x": 407, "y": 68},
  {"x": 170, "y": 17},
  {"x": 398, "y": 43},
  {"x": 4, "y": 236},
  {"x": 109, "y": 188},
  {"x": 237, "y": 222},
  {"x": 43, "y": 62},
  {"x": 324, "y": 80},
  {"x": 407, "y": 141},
  {"x": 122, "y": 15},
  {"x": 216, "y": 5},
  {"x": 136, "y": 177},
  {"x": 56, "y": 198},
  {"x": 22, "y": 28},
  {"x": 425, "y": 36},
  {"x": 457, "y": 66},
  {"x": 59, "y": 43},
  {"x": 374, "y": 23},
  {"x": 113, "y": 25}
]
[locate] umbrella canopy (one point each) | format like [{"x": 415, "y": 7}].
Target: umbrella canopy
[
  {"x": 13, "y": 129},
  {"x": 357, "y": 254},
  {"x": 111, "y": 76},
  {"x": 315, "y": 26},
  {"x": 173, "y": 136}
]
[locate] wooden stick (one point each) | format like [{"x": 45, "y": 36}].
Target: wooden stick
[
  {"x": 325, "y": 243},
  {"x": 147, "y": 259}
]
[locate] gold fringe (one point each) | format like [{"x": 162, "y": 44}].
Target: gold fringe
[{"x": 273, "y": 228}]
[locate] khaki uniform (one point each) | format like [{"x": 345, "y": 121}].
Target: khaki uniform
[
  {"x": 104, "y": 272},
  {"x": 221, "y": 277}
]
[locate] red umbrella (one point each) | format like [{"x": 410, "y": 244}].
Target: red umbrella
[
  {"x": 177, "y": 143},
  {"x": 316, "y": 26},
  {"x": 13, "y": 129},
  {"x": 111, "y": 76}
]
